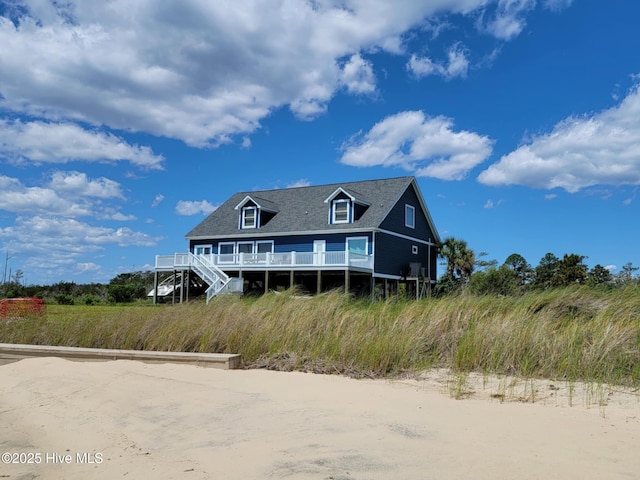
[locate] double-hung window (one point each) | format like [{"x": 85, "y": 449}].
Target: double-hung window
[
  {"x": 340, "y": 211},
  {"x": 345, "y": 207},
  {"x": 249, "y": 217},
  {"x": 255, "y": 213}
]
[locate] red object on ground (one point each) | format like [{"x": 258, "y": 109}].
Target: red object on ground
[{"x": 22, "y": 307}]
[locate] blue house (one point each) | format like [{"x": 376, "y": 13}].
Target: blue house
[{"x": 362, "y": 236}]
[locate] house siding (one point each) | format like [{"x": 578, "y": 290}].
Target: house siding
[
  {"x": 395, "y": 220},
  {"x": 294, "y": 243},
  {"x": 395, "y": 254}
]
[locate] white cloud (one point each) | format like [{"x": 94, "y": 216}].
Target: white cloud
[
  {"x": 70, "y": 194},
  {"x": 422, "y": 145},
  {"x": 509, "y": 19},
  {"x": 158, "y": 200},
  {"x": 629, "y": 200},
  {"x": 85, "y": 267},
  {"x": 600, "y": 149},
  {"x": 77, "y": 184},
  {"x": 17, "y": 198},
  {"x": 491, "y": 204},
  {"x": 202, "y": 72},
  {"x": 121, "y": 217},
  {"x": 58, "y": 244},
  {"x": 557, "y": 5},
  {"x": 187, "y": 207},
  {"x": 46, "y": 142},
  {"x": 303, "y": 182},
  {"x": 71, "y": 234},
  {"x": 357, "y": 75},
  {"x": 423, "y": 66},
  {"x": 458, "y": 65}
]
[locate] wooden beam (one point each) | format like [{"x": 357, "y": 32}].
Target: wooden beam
[
  {"x": 266, "y": 281},
  {"x": 182, "y": 286},
  {"x": 173, "y": 292},
  {"x": 155, "y": 287},
  {"x": 188, "y": 286},
  {"x": 346, "y": 281},
  {"x": 319, "y": 284}
]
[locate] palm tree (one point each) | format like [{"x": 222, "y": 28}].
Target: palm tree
[{"x": 460, "y": 258}]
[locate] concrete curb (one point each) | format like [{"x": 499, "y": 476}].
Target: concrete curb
[{"x": 9, "y": 351}]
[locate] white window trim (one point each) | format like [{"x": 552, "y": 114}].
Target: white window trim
[
  {"x": 220, "y": 244},
  {"x": 333, "y": 210},
  {"x": 258, "y": 242},
  {"x": 203, "y": 247},
  {"x": 366, "y": 247},
  {"x": 251, "y": 243},
  {"x": 243, "y": 217},
  {"x": 409, "y": 214}
]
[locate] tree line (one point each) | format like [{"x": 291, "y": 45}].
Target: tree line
[
  {"x": 124, "y": 288},
  {"x": 467, "y": 271}
]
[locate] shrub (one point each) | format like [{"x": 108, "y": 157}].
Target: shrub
[
  {"x": 121, "y": 293},
  {"x": 91, "y": 300},
  {"x": 64, "y": 299},
  {"x": 495, "y": 281}
]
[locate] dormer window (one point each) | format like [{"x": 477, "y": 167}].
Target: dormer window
[
  {"x": 345, "y": 206},
  {"x": 249, "y": 217},
  {"x": 340, "y": 211},
  {"x": 255, "y": 212}
]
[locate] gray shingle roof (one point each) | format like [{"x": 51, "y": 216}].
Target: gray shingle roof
[
  {"x": 303, "y": 209},
  {"x": 262, "y": 203}
]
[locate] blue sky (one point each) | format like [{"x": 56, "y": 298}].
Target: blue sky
[{"x": 124, "y": 123}]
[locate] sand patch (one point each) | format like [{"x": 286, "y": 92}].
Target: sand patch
[{"x": 179, "y": 421}]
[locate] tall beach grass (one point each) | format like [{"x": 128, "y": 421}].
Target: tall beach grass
[{"x": 578, "y": 334}]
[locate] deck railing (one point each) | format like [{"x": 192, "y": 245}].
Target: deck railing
[
  {"x": 273, "y": 260},
  {"x": 202, "y": 265}
]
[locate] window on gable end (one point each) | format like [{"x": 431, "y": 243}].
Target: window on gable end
[
  {"x": 409, "y": 216},
  {"x": 340, "y": 211}
]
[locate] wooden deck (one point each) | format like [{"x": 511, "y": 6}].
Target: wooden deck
[{"x": 272, "y": 261}]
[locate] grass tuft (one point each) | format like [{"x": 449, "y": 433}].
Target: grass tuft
[{"x": 577, "y": 334}]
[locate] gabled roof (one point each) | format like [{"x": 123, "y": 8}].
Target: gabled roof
[
  {"x": 303, "y": 209},
  {"x": 354, "y": 196},
  {"x": 260, "y": 202}
]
